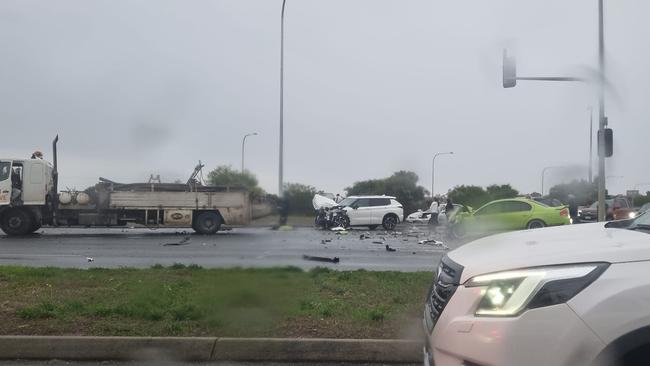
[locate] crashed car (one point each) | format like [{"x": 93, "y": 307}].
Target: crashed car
[
  {"x": 423, "y": 217},
  {"x": 418, "y": 217}
]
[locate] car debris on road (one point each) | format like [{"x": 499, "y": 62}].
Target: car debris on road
[
  {"x": 389, "y": 249},
  {"x": 184, "y": 241},
  {"x": 321, "y": 259}
]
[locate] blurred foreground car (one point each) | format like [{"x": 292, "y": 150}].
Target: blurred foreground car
[
  {"x": 570, "y": 296},
  {"x": 507, "y": 215},
  {"x": 644, "y": 208}
]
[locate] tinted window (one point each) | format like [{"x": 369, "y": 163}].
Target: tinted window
[
  {"x": 490, "y": 209},
  {"x": 380, "y": 201},
  {"x": 362, "y": 202},
  {"x": 621, "y": 203},
  {"x": 5, "y": 169},
  {"x": 516, "y": 206}
]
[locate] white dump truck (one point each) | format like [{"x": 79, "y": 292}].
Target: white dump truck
[{"x": 29, "y": 198}]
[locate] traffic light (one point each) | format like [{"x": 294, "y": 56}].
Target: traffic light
[
  {"x": 606, "y": 141},
  {"x": 509, "y": 70}
]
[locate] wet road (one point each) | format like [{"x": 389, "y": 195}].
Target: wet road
[{"x": 243, "y": 247}]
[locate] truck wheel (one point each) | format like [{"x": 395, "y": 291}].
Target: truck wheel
[
  {"x": 17, "y": 222},
  {"x": 207, "y": 223}
]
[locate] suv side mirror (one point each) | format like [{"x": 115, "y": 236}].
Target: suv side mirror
[{"x": 509, "y": 70}]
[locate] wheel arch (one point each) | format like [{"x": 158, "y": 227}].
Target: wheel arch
[{"x": 615, "y": 351}]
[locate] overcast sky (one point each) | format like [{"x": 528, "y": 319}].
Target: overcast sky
[{"x": 372, "y": 86}]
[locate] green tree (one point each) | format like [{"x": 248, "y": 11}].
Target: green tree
[
  {"x": 498, "y": 192},
  {"x": 475, "y": 196},
  {"x": 299, "y": 197},
  {"x": 225, "y": 175},
  {"x": 472, "y": 196},
  {"x": 584, "y": 192},
  {"x": 402, "y": 185}
]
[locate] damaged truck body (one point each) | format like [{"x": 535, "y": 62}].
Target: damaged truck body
[{"x": 29, "y": 198}]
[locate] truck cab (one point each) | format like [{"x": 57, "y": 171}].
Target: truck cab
[{"x": 25, "y": 189}]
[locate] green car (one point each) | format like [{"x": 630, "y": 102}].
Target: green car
[{"x": 507, "y": 215}]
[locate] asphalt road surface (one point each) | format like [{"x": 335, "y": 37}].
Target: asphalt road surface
[{"x": 242, "y": 247}]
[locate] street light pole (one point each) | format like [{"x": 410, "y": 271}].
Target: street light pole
[
  {"x": 243, "y": 142},
  {"x": 543, "y": 173},
  {"x": 281, "y": 163},
  {"x": 591, "y": 144},
  {"x": 433, "y": 166},
  {"x": 601, "y": 114}
]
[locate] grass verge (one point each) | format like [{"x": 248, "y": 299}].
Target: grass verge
[{"x": 192, "y": 301}]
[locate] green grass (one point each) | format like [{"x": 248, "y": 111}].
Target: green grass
[{"x": 191, "y": 301}]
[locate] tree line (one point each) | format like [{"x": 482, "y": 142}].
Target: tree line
[{"x": 404, "y": 186}]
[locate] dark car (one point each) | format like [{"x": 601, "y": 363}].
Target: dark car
[{"x": 618, "y": 208}]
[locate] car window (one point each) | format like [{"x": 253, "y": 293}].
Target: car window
[
  {"x": 379, "y": 201},
  {"x": 516, "y": 206},
  {"x": 490, "y": 209},
  {"x": 621, "y": 203},
  {"x": 362, "y": 202},
  {"x": 5, "y": 169}
]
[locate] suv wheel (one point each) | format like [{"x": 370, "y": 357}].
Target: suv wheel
[{"x": 389, "y": 222}]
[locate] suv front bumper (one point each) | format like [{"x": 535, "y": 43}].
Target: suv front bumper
[{"x": 552, "y": 335}]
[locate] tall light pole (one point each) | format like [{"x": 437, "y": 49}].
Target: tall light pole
[
  {"x": 544, "y": 172},
  {"x": 591, "y": 143},
  {"x": 510, "y": 80},
  {"x": 602, "y": 122},
  {"x": 243, "y": 142},
  {"x": 281, "y": 163},
  {"x": 433, "y": 167}
]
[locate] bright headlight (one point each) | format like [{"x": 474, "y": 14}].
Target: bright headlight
[
  {"x": 511, "y": 292},
  {"x": 632, "y": 215}
]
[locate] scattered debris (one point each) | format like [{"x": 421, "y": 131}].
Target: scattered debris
[
  {"x": 324, "y": 241},
  {"x": 90, "y": 259},
  {"x": 389, "y": 249},
  {"x": 321, "y": 259},
  {"x": 378, "y": 242},
  {"x": 338, "y": 228},
  {"x": 184, "y": 241},
  {"x": 364, "y": 236}
]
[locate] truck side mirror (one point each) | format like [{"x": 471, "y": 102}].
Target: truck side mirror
[
  {"x": 606, "y": 141},
  {"x": 509, "y": 70}
]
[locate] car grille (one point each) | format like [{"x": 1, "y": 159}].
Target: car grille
[{"x": 444, "y": 285}]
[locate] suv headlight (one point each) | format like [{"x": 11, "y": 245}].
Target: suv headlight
[{"x": 509, "y": 293}]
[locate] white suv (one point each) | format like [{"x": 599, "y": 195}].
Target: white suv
[
  {"x": 372, "y": 211},
  {"x": 576, "y": 295}
]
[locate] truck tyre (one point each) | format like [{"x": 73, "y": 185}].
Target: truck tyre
[
  {"x": 207, "y": 223},
  {"x": 17, "y": 222}
]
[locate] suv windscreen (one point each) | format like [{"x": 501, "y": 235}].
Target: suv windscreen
[{"x": 347, "y": 202}]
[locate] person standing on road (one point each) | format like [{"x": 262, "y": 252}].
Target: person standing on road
[
  {"x": 435, "y": 211},
  {"x": 573, "y": 209}
]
